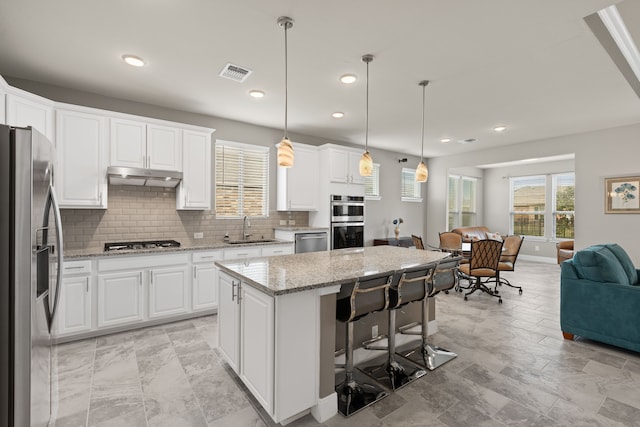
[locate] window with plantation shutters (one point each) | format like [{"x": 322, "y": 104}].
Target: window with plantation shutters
[
  {"x": 372, "y": 184},
  {"x": 242, "y": 180},
  {"x": 409, "y": 188}
]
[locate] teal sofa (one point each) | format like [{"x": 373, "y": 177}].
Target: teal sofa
[{"x": 600, "y": 297}]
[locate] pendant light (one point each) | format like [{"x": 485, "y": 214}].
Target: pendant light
[
  {"x": 366, "y": 162},
  {"x": 421, "y": 171},
  {"x": 285, "y": 149}
]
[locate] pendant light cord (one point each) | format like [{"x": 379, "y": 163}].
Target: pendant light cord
[
  {"x": 286, "y": 82},
  {"x": 422, "y": 146},
  {"x": 366, "y": 127}
]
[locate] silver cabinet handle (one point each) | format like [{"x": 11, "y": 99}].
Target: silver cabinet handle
[
  {"x": 149, "y": 162},
  {"x": 140, "y": 283},
  {"x": 194, "y": 272},
  {"x": 77, "y": 267},
  {"x": 233, "y": 288},
  {"x": 238, "y": 297},
  {"x": 87, "y": 285},
  {"x": 313, "y": 237}
]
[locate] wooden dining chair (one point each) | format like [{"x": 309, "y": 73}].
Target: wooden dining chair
[
  {"x": 512, "y": 245},
  {"x": 417, "y": 241},
  {"x": 483, "y": 264}
]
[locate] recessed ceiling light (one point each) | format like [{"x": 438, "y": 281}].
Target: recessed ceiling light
[
  {"x": 256, "y": 93},
  {"x": 134, "y": 61},
  {"x": 348, "y": 79},
  {"x": 337, "y": 115},
  {"x": 445, "y": 140},
  {"x": 500, "y": 128}
]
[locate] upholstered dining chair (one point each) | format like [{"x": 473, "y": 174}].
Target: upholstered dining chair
[
  {"x": 511, "y": 245},
  {"x": 417, "y": 241},
  {"x": 483, "y": 264}
]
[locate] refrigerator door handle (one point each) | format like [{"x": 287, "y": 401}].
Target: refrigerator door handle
[{"x": 53, "y": 200}]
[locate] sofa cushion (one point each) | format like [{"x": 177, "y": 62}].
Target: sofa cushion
[
  {"x": 494, "y": 236},
  {"x": 625, "y": 261},
  {"x": 599, "y": 264}
]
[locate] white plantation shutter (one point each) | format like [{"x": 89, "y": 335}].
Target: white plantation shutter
[
  {"x": 409, "y": 188},
  {"x": 242, "y": 180},
  {"x": 372, "y": 184}
]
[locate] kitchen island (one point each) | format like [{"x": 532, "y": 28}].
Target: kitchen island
[{"x": 276, "y": 322}]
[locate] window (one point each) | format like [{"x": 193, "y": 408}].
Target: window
[
  {"x": 563, "y": 205},
  {"x": 410, "y": 189},
  {"x": 531, "y": 197},
  {"x": 461, "y": 203},
  {"x": 242, "y": 180},
  {"x": 372, "y": 184}
]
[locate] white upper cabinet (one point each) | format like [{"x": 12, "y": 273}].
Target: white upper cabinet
[
  {"x": 30, "y": 110},
  {"x": 82, "y": 156},
  {"x": 298, "y": 185},
  {"x": 194, "y": 192},
  {"x": 140, "y": 145},
  {"x": 344, "y": 166}
]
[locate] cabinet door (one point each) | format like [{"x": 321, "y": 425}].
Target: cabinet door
[
  {"x": 257, "y": 344},
  {"x": 3, "y": 116},
  {"x": 74, "y": 314},
  {"x": 194, "y": 191},
  {"x": 128, "y": 143},
  {"x": 354, "y": 168},
  {"x": 119, "y": 298},
  {"x": 167, "y": 291},
  {"x": 205, "y": 286},
  {"x": 29, "y": 112},
  {"x": 164, "y": 148},
  {"x": 82, "y": 152},
  {"x": 229, "y": 319},
  {"x": 338, "y": 166},
  {"x": 298, "y": 186}
]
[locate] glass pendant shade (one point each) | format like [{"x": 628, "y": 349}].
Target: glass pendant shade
[
  {"x": 366, "y": 164},
  {"x": 421, "y": 172},
  {"x": 285, "y": 153}
]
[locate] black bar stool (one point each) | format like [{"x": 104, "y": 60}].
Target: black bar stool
[
  {"x": 397, "y": 372},
  {"x": 355, "y": 300},
  {"x": 431, "y": 356}
]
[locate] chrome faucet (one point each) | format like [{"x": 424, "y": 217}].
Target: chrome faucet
[{"x": 245, "y": 224}]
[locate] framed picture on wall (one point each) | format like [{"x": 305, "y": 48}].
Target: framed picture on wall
[{"x": 622, "y": 194}]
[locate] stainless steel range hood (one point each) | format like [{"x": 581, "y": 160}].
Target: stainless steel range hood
[{"x": 119, "y": 175}]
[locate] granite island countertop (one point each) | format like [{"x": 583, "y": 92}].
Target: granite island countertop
[
  {"x": 97, "y": 252},
  {"x": 300, "y": 272}
]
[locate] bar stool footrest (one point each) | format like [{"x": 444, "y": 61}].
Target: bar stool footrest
[
  {"x": 359, "y": 393},
  {"x": 430, "y": 356},
  {"x": 396, "y": 374}
]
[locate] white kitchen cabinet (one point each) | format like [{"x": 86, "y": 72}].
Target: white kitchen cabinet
[
  {"x": 74, "y": 309},
  {"x": 229, "y": 319},
  {"x": 256, "y": 344},
  {"x": 194, "y": 191},
  {"x": 120, "y": 298},
  {"x": 242, "y": 252},
  {"x": 136, "y": 144},
  {"x": 204, "y": 287},
  {"x": 30, "y": 110},
  {"x": 82, "y": 149},
  {"x": 344, "y": 165},
  {"x": 3, "y": 116},
  {"x": 168, "y": 291},
  {"x": 273, "y": 250},
  {"x": 298, "y": 185}
]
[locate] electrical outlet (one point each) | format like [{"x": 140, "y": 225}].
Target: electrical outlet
[
  {"x": 198, "y": 235},
  {"x": 537, "y": 248},
  {"x": 283, "y": 222},
  {"x": 292, "y": 222},
  {"x": 374, "y": 331}
]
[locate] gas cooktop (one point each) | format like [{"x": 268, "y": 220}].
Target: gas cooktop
[{"x": 149, "y": 244}]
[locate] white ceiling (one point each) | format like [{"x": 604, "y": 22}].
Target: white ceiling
[{"x": 531, "y": 65}]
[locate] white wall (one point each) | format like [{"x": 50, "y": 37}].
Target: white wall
[{"x": 600, "y": 154}]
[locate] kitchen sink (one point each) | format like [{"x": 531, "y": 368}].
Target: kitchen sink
[{"x": 239, "y": 242}]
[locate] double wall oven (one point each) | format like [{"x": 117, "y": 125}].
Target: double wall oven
[{"x": 347, "y": 222}]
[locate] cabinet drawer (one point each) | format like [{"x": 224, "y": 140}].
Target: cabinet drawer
[
  {"x": 242, "y": 252},
  {"x": 277, "y": 250},
  {"x": 76, "y": 267},
  {"x": 139, "y": 262},
  {"x": 207, "y": 256}
]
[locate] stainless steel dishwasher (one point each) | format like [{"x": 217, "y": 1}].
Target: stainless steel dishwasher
[{"x": 311, "y": 242}]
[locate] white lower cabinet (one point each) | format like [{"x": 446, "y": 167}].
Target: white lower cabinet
[
  {"x": 168, "y": 291},
  {"x": 74, "y": 309},
  {"x": 205, "y": 280},
  {"x": 119, "y": 298},
  {"x": 229, "y": 319}
]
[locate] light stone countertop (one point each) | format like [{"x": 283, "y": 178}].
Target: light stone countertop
[
  {"x": 92, "y": 253},
  {"x": 300, "y": 272},
  {"x": 305, "y": 229}
]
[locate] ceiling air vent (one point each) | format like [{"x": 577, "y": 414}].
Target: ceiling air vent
[
  {"x": 235, "y": 73},
  {"x": 467, "y": 141}
]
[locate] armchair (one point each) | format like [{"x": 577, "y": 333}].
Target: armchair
[
  {"x": 565, "y": 250},
  {"x": 600, "y": 296}
]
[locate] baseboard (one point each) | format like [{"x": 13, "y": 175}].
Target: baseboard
[
  {"x": 544, "y": 259},
  {"x": 326, "y": 408}
]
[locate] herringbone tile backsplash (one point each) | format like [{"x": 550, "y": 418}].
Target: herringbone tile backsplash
[{"x": 149, "y": 213}]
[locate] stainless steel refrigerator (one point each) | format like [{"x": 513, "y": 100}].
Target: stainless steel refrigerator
[{"x": 30, "y": 275}]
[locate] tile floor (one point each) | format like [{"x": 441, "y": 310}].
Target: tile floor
[{"x": 513, "y": 369}]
